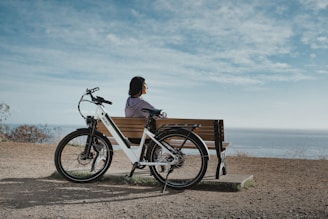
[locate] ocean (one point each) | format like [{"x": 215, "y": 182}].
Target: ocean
[
  {"x": 272, "y": 143},
  {"x": 278, "y": 143}
]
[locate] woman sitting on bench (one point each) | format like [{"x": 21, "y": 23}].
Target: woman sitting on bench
[{"x": 135, "y": 103}]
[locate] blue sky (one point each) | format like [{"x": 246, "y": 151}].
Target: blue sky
[{"x": 251, "y": 63}]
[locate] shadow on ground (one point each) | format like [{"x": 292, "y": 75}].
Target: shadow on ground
[{"x": 20, "y": 193}]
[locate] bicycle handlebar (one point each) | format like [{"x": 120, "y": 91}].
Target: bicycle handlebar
[
  {"x": 102, "y": 100},
  {"x": 96, "y": 100}
]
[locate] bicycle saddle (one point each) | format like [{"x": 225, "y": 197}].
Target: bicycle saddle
[{"x": 152, "y": 112}]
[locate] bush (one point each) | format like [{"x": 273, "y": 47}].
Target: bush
[
  {"x": 4, "y": 113},
  {"x": 23, "y": 133},
  {"x": 30, "y": 134}
]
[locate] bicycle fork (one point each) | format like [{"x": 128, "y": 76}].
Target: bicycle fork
[{"x": 91, "y": 141}]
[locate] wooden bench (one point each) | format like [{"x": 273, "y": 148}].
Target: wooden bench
[{"x": 211, "y": 131}]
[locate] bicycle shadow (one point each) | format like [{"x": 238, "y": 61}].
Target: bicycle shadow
[{"x": 18, "y": 193}]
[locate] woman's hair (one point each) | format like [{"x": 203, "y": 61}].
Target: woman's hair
[{"x": 136, "y": 85}]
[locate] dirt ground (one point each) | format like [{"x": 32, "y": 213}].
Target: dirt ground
[{"x": 283, "y": 188}]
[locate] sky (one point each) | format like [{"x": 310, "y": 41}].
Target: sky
[{"x": 256, "y": 64}]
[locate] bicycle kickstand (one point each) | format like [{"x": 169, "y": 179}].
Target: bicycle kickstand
[
  {"x": 128, "y": 177},
  {"x": 167, "y": 176}
]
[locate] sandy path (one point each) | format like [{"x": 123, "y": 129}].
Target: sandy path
[{"x": 284, "y": 188}]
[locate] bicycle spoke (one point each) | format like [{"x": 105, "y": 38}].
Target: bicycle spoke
[{"x": 78, "y": 164}]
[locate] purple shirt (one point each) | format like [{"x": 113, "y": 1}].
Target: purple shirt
[{"x": 134, "y": 105}]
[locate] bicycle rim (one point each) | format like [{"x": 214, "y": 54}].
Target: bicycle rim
[
  {"x": 77, "y": 166},
  {"x": 192, "y": 164}
]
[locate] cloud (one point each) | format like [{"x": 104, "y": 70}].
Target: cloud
[
  {"x": 59, "y": 48},
  {"x": 224, "y": 39},
  {"x": 316, "y": 5}
]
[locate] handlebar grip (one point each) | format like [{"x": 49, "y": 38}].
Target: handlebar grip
[
  {"x": 90, "y": 91},
  {"x": 108, "y": 102},
  {"x": 102, "y": 100}
]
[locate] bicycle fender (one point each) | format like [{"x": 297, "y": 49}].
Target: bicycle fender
[
  {"x": 204, "y": 144},
  {"x": 78, "y": 129}
]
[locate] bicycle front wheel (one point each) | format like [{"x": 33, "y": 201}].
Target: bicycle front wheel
[
  {"x": 76, "y": 163},
  {"x": 192, "y": 159}
]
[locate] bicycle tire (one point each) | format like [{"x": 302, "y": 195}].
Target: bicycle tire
[
  {"x": 193, "y": 159},
  {"x": 71, "y": 161}
]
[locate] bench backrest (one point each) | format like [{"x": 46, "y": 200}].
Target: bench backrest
[
  {"x": 210, "y": 130},
  {"x": 206, "y": 131}
]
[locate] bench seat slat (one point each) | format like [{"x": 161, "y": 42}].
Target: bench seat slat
[{"x": 130, "y": 127}]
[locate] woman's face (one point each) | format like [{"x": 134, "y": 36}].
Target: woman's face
[{"x": 144, "y": 88}]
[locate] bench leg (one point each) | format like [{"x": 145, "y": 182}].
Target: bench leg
[{"x": 221, "y": 169}]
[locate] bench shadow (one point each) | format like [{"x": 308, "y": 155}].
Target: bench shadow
[{"x": 18, "y": 193}]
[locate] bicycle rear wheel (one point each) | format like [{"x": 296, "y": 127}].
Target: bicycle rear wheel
[
  {"x": 192, "y": 155},
  {"x": 75, "y": 163}
]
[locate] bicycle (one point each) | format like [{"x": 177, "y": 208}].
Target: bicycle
[{"x": 86, "y": 154}]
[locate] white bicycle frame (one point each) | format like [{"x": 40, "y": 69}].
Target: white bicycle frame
[{"x": 134, "y": 157}]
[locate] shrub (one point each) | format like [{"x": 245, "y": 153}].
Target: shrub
[
  {"x": 4, "y": 113},
  {"x": 23, "y": 133},
  {"x": 30, "y": 134}
]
